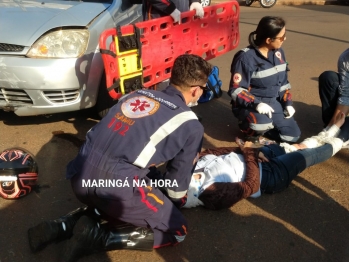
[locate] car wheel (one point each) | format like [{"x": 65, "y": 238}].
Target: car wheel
[
  {"x": 267, "y": 3},
  {"x": 205, "y": 3},
  {"x": 248, "y": 2},
  {"x": 104, "y": 100}
]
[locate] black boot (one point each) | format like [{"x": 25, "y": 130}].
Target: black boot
[
  {"x": 54, "y": 230},
  {"x": 90, "y": 237}
]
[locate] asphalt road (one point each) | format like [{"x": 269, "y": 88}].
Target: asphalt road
[{"x": 307, "y": 222}]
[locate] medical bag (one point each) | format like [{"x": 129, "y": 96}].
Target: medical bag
[{"x": 214, "y": 85}]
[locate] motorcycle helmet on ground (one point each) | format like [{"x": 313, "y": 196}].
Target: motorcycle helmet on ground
[{"x": 18, "y": 173}]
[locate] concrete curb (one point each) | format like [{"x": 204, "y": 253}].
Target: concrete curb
[{"x": 293, "y": 2}]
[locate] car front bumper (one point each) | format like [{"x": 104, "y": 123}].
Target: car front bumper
[{"x": 44, "y": 86}]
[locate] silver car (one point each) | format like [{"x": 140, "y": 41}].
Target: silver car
[{"x": 49, "y": 53}]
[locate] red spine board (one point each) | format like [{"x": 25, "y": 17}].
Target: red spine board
[{"x": 162, "y": 41}]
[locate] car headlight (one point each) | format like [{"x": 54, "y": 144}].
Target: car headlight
[{"x": 66, "y": 43}]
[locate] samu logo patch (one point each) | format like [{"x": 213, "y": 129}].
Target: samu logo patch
[{"x": 139, "y": 106}]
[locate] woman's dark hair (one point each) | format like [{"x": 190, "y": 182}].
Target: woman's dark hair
[{"x": 268, "y": 27}]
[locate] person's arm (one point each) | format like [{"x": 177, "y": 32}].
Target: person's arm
[
  {"x": 285, "y": 99},
  {"x": 220, "y": 151},
  {"x": 194, "y": 1},
  {"x": 343, "y": 89},
  {"x": 223, "y": 195},
  {"x": 180, "y": 169},
  {"x": 285, "y": 96},
  {"x": 164, "y": 6},
  {"x": 239, "y": 84}
]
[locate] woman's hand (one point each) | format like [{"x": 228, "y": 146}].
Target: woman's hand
[
  {"x": 262, "y": 158},
  {"x": 240, "y": 143},
  {"x": 246, "y": 144}
]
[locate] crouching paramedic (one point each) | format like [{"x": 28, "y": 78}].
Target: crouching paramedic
[
  {"x": 144, "y": 129},
  {"x": 259, "y": 86}
]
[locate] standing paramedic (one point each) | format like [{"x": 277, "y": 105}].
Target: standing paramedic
[
  {"x": 259, "y": 87},
  {"x": 152, "y": 9},
  {"x": 160, "y": 8},
  {"x": 143, "y": 130}
]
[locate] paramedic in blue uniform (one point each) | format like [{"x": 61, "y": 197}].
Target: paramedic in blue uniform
[
  {"x": 160, "y": 8},
  {"x": 143, "y": 130},
  {"x": 259, "y": 87}
]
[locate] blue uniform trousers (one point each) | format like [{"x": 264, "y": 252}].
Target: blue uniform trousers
[
  {"x": 143, "y": 206},
  {"x": 280, "y": 128}
]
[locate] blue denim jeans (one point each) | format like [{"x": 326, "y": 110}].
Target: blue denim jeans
[{"x": 282, "y": 168}]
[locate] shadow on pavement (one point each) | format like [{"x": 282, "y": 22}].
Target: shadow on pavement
[
  {"x": 303, "y": 223},
  {"x": 54, "y": 197}
]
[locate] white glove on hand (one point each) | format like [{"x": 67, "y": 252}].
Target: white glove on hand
[
  {"x": 290, "y": 111},
  {"x": 263, "y": 108},
  {"x": 198, "y": 8},
  {"x": 192, "y": 201},
  {"x": 176, "y": 15}
]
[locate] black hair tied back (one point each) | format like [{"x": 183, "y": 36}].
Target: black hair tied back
[{"x": 251, "y": 39}]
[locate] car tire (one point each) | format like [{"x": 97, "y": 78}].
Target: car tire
[
  {"x": 205, "y": 3},
  {"x": 249, "y": 2},
  {"x": 267, "y": 3},
  {"x": 104, "y": 100}
]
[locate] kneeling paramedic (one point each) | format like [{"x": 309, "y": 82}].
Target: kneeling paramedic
[{"x": 143, "y": 130}]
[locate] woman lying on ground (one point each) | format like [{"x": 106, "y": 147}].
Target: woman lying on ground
[{"x": 226, "y": 175}]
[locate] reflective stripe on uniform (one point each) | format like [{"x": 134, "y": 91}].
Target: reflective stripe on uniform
[
  {"x": 175, "y": 194},
  {"x": 261, "y": 127},
  {"x": 160, "y": 134},
  {"x": 269, "y": 72},
  {"x": 285, "y": 87},
  {"x": 237, "y": 92},
  {"x": 179, "y": 238}
]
